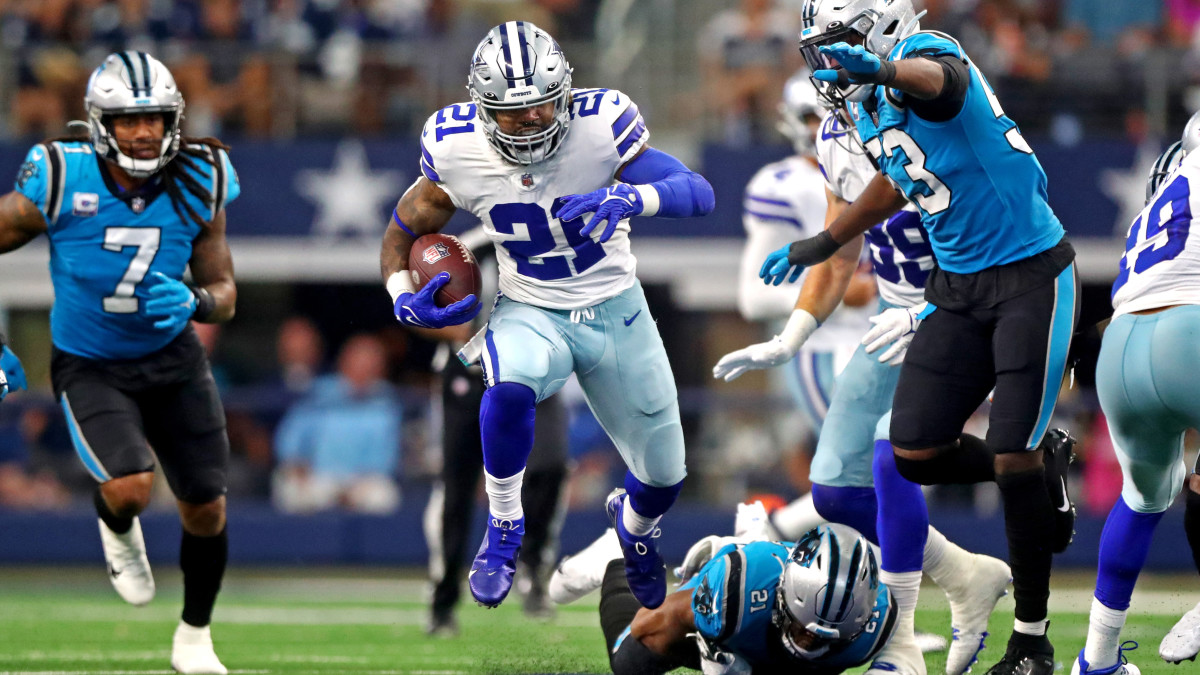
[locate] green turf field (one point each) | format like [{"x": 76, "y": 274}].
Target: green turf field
[{"x": 70, "y": 621}]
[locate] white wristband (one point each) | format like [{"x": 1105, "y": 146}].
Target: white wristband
[
  {"x": 650, "y": 199},
  {"x": 799, "y": 326},
  {"x": 400, "y": 282}
]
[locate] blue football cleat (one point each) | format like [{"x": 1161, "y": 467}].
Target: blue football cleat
[
  {"x": 644, "y": 568},
  {"x": 491, "y": 575}
]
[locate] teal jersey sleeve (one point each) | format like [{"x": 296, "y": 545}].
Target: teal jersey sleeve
[
  {"x": 233, "y": 186},
  {"x": 32, "y": 176}
]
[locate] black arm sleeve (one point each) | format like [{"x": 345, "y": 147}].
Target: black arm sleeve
[{"x": 948, "y": 103}]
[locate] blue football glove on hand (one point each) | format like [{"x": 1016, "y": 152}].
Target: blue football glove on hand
[
  {"x": 418, "y": 309},
  {"x": 611, "y": 204},
  {"x": 858, "y": 66},
  {"x": 12, "y": 374},
  {"x": 776, "y": 267},
  {"x": 170, "y": 301}
]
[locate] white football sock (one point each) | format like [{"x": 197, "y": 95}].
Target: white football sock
[
  {"x": 1104, "y": 635},
  {"x": 905, "y": 586},
  {"x": 504, "y": 495},
  {"x": 1030, "y": 627},
  {"x": 796, "y": 518},
  {"x": 636, "y": 524}
]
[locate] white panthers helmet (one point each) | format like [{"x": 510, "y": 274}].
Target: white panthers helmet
[
  {"x": 827, "y": 591},
  {"x": 131, "y": 83},
  {"x": 879, "y": 25},
  {"x": 800, "y": 100},
  {"x": 518, "y": 65}
]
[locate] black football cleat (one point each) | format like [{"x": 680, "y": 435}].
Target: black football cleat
[
  {"x": 1057, "y": 448},
  {"x": 1026, "y": 655}
]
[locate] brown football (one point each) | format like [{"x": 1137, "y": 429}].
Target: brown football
[{"x": 434, "y": 253}]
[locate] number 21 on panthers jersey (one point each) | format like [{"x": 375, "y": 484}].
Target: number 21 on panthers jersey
[
  {"x": 1161, "y": 265},
  {"x": 543, "y": 261}
]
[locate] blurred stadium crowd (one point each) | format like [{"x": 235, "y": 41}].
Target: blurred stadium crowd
[
  {"x": 334, "y": 418},
  {"x": 281, "y": 68}
]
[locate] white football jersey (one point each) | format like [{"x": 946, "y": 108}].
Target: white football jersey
[
  {"x": 1161, "y": 265},
  {"x": 785, "y": 201},
  {"x": 899, "y": 247},
  {"x": 543, "y": 261}
]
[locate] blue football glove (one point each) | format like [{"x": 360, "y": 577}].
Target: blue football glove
[
  {"x": 170, "y": 301},
  {"x": 418, "y": 309},
  {"x": 12, "y": 374},
  {"x": 776, "y": 267},
  {"x": 611, "y": 205},
  {"x": 857, "y": 66}
]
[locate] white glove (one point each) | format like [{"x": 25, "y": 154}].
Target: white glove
[
  {"x": 714, "y": 661},
  {"x": 699, "y": 554},
  {"x": 778, "y": 351},
  {"x": 896, "y": 326},
  {"x": 752, "y": 522}
]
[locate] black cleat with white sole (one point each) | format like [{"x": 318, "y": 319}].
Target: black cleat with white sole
[{"x": 1058, "y": 452}]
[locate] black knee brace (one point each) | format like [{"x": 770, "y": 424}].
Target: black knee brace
[{"x": 964, "y": 462}]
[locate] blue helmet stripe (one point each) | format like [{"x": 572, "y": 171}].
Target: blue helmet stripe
[
  {"x": 133, "y": 80},
  {"x": 848, "y": 591},
  {"x": 506, "y": 57},
  {"x": 831, "y": 582},
  {"x": 522, "y": 47}
]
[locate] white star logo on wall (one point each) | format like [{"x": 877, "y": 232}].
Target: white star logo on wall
[
  {"x": 351, "y": 199},
  {"x": 1127, "y": 187}
]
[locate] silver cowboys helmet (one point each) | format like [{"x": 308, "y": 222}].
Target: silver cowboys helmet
[
  {"x": 800, "y": 100},
  {"x": 827, "y": 591},
  {"x": 1191, "y": 134},
  {"x": 518, "y": 65},
  {"x": 132, "y": 83},
  {"x": 876, "y": 24}
]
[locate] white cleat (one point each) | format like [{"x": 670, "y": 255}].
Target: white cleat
[
  {"x": 192, "y": 652},
  {"x": 580, "y": 574},
  {"x": 1121, "y": 667},
  {"x": 901, "y": 656},
  {"x": 128, "y": 568},
  {"x": 1182, "y": 643},
  {"x": 930, "y": 643},
  {"x": 972, "y": 598}
]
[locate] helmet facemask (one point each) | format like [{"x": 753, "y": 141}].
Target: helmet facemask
[{"x": 532, "y": 148}]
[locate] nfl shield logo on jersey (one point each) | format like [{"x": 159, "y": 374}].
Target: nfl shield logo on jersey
[
  {"x": 435, "y": 253},
  {"x": 527, "y": 180},
  {"x": 137, "y": 204},
  {"x": 85, "y": 204}
]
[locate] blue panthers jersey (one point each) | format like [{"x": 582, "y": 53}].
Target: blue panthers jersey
[
  {"x": 733, "y": 600},
  {"x": 980, "y": 189},
  {"x": 104, "y": 242}
]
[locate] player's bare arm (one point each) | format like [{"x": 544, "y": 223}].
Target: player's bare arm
[
  {"x": 212, "y": 270},
  {"x": 20, "y": 221},
  {"x": 664, "y": 630},
  {"x": 425, "y": 208},
  {"x": 826, "y": 285}
]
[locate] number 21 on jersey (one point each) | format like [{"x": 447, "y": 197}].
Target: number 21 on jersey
[{"x": 530, "y": 254}]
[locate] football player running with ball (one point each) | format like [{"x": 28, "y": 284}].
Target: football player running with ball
[
  {"x": 1003, "y": 296},
  {"x": 127, "y": 210},
  {"x": 531, "y": 158}
]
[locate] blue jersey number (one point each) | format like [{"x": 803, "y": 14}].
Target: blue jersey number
[
  {"x": 530, "y": 254},
  {"x": 1166, "y": 224},
  {"x": 587, "y": 104},
  {"x": 459, "y": 112},
  {"x": 902, "y": 232},
  {"x": 117, "y": 239}
]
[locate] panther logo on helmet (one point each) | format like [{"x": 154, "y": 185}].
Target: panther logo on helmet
[{"x": 518, "y": 65}]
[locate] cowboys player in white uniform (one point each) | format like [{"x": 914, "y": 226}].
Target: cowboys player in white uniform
[
  {"x": 530, "y": 156},
  {"x": 782, "y": 198},
  {"x": 1148, "y": 393},
  {"x": 853, "y": 462}
]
